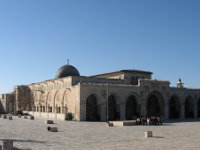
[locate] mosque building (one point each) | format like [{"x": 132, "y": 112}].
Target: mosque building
[{"x": 119, "y": 95}]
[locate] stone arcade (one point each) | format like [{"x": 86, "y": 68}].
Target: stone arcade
[{"x": 120, "y": 95}]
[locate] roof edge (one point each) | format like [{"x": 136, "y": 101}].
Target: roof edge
[{"x": 134, "y": 70}]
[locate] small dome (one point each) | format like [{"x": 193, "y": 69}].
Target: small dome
[{"x": 67, "y": 70}]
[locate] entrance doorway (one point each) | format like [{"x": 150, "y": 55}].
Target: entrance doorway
[
  {"x": 131, "y": 108},
  {"x": 155, "y": 104},
  {"x": 112, "y": 114},
  {"x": 198, "y": 108},
  {"x": 174, "y": 108},
  {"x": 189, "y": 107},
  {"x": 91, "y": 108}
]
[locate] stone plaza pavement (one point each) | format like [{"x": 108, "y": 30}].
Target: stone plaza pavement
[{"x": 33, "y": 135}]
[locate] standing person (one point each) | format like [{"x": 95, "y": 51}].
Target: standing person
[{"x": 148, "y": 121}]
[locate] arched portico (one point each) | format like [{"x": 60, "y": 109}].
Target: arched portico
[
  {"x": 155, "y": 104},
  {"x": 189, "y": 107},
  {"x": 91, "y": 109},
  {"x": 174, "y": 108},
  {"x": 131, "y": 108},
  {"x": 112, "y": 108}
]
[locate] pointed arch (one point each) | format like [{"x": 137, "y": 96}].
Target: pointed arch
[
  {"x": 155, "y": 104},
  {"x": 189, "y": 107},
  {"x": 132, "y": 110},
  {"x": 174, "y": 107},
  {"x": 91, "y": 108},
  {"x": 112, "y": 108}
]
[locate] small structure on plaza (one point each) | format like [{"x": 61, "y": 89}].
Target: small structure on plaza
[
  {"x": 148, "y": 134},
  {"x": 49, "y": 121},
  {"x": 52, "y": 129},
  {"x": 113, "y": 96}
]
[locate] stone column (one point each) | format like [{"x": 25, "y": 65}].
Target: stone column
[
  {"x": 65, "y": 112},
  {"x": 62, "y": 109},
  {"x": 182, "y": 111},
  {"x": 103, "y": 110},
  {"x": 143, "y": 110},
  {"x": 56, "y": 110},
  {"x": 47, "y": 110},
  {"x": 123, "y": 111}
]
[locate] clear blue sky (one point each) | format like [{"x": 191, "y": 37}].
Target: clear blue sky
[{"x": 38, "y": 36}]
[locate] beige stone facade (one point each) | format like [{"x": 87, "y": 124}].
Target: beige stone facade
[
  {"x": 120, "y": 95},
  {"x": 7, "y": 103}
]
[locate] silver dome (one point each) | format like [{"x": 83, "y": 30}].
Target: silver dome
[{"x": 67, "y": 70}]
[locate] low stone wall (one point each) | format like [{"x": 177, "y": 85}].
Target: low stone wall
[{"x": 45, "y": 115}]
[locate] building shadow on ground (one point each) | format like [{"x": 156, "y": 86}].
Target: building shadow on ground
[
  {"x": 28, "y": 141},
  {"x": 183, "y": 120}
]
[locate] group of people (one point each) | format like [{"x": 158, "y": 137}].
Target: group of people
[{"x": 149, "y": 120}]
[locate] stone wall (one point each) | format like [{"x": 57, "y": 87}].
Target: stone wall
[
  {"x": 71, "y": 94},
  {"x": 7, "y": 103}
]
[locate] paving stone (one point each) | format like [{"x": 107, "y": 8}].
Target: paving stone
[{"x": 28, "y": 134}]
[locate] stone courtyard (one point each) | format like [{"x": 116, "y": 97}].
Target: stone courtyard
[{"x": 33, "y": 135}]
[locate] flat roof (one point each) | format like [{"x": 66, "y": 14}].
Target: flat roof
[{"x": 129, "y": 71}]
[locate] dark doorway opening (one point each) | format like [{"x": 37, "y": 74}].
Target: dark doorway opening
[
  {"x": 112, "y": 114},
  {"x": 153, "y": 106},
  {"x": 131, "y": 108},
  {"x": 91, "y": 109},
  {"x": 174, "y": 108},
  {"x": 189, "y": 108},
  {"x": 199, "y": 108}
]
